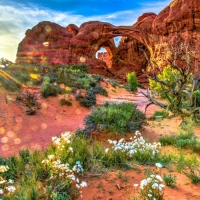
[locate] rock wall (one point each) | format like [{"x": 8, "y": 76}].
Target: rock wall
[{"x": 50, "y": 43}]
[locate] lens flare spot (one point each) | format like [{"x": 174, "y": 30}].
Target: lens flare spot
[
  {"x": 4, "y": 140},
  {"x": 58, "y": 117},
  {"x": 34, "y": 128},
  {"x": 31, "y": 48},
  {"x": 48, "y": 28},
  {"x": 43, "y": 111},
  {"x": 96, "y": 35},
  {"x": 42, "y": 36},
  {"x": 5, "y": 147},
  {"x": 11, "y": 134},
  {"x": 17, "y": 140},
  {"x": 82, "y": 59},
  {"x": 35, "y": 146},
  {"x": 62, "y": 86},
  {"x": 78, "y": 111},
  {"x": 46, "y": 44},
  {"x": 17, "y": 127},
  {"x": 2, "y": 130},
  {"x": 19, "y": 119},
  {"x": 44, "y": 105},
  {"x": 44, "y": 126},
  {"x": 9, "y": 98}
]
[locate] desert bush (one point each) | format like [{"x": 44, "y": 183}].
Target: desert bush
[
  {"x": 132, "y": 81},
  {"x": 136, "y": 149},
  {"x": 29, "y": 98},
  {"x": 170, "y": 180},
  {"x": 115, "y": 118},
  {"x": 61, "y": 196},
  {"x": 168, "y": 75},
  {"x": 80, "y": 68},
  {"x": 98, "y": 89},
  {"x": 64, "y": 101},
  {"x": 150, "y": 188},
  {"x": 89, "y": 100},
  {"x": 97, "y": 77},
  {"x": 160, "y": 114},
  {"x": 184, "y": 140},
  {"x": 48, "y": 89},
  {"x": 83, "y": 83}
]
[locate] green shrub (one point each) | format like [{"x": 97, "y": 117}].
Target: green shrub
[
  {"x": 48, "y": 90},
  {"x": 116, "y": 118},
  {"x": 66, "y": 102},
  {"x": 89, "y": 100},
  {"x": 100, "y": 90},
  {"x": 168, "y": 75},
  {"x": 97, "y": 77},
  {"x": 83, "y": 83},
  {"x": 132, "y": 80},
  {"x": 160, "y": 114},
  {"x": 61, "y": 196},
  {"x": 170, "y": 180},
  {"x": 80, "y": 68}
]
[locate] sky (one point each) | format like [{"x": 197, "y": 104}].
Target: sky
[{"x": 16, "y": 16}]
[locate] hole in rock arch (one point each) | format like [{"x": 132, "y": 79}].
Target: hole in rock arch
[
  {"x": 117, "y": 40},
  {"x": 102, "y": 54}
]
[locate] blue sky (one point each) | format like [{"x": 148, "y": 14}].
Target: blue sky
[{"x": 16, "y": 16}]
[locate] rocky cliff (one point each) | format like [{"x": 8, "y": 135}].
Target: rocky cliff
[{"x": 50, "y": 43}]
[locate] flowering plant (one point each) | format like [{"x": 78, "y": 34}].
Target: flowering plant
[
  {"x": 5, "y": 185},
  {"x": 61, "y": 174},
  {"x": 152, "y": 187},
  {"x": 137, "y": 148}
]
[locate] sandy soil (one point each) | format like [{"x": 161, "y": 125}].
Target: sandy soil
[{"x": 18, "y": 131}]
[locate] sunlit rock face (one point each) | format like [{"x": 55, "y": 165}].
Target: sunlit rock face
[{"x": 53, "y": 44}]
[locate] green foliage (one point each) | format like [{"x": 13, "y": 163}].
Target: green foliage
[
  {"x": 186, "y": 140},
  {"x": 197, "y": 94},
  {"x": 48, "y": 89},
  {"x": 83, "y": 83},
  {"x": 66, "y": 102},
  {"x": 98, "y": 89},
  {"x": 167, "y": 140},
  {"x": 160, "y": 114},
  {"x": 170, "y": 180},
  {"x": 64, "y": 76},
  {"x": 189, "y": 165},
  {"x": 132, "y": 81},
  {"x": 168, "y": 75},
  {"x": 115, "y": 118},
  {"x": 61, "y": 196},
  {"x": 89, "y": 100},
  {"x": 80, "y": 68},
  {"x": 97, "y": 77}
]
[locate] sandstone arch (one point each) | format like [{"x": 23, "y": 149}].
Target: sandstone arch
[{"x": 75, "y": 45}]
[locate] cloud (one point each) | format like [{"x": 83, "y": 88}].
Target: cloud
[{"x": 16, "y": 18}]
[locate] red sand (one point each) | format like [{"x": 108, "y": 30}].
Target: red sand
[{"x": 18, "y": 130}]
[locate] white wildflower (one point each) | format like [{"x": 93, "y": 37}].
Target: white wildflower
[
  {"x": 83, "y": 184},
  {"x": 158, "y": 165},
  {"x": 11, "y": 181},
  {"x": 106, "y": 150},
  {"x": 10, "y": 188},
  {"x": 3, "y": 168}
]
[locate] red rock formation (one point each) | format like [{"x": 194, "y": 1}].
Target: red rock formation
[
  {"x": 50, "y": 43},
  {"x": 105, "y": 57}
]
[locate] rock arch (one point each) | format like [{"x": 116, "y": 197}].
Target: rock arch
[{"x": 50, "y": 43}]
